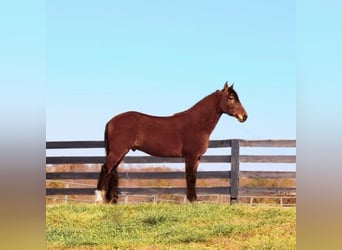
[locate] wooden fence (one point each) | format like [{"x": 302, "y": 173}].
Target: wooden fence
[{"x": 234, "y": 174}]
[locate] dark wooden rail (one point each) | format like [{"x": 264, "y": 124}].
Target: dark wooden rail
[{"x": 234, "y": 174}]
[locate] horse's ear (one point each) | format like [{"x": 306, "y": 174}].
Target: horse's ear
[
  {"x": 231, "y": 86},
  {"x": 225, "y": 87}
]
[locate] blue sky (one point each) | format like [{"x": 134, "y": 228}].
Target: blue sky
[{"x": 161, "y": 57}]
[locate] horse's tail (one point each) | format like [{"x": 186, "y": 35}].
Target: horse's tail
[
  {"x": 106, "y": 144},
  {"x": 101, "y": 181}
]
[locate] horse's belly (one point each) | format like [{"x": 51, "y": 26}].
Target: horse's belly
[
  {"x": 158, "y": 153},
  {"x": 161, "y": 146}
]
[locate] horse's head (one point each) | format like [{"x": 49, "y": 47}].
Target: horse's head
[{"x": 230, "y": 103}]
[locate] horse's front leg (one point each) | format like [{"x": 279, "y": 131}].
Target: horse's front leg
[{"x": 191, "y": 166}]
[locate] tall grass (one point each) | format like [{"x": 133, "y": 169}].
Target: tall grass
[{"x": 169, "y": 226}]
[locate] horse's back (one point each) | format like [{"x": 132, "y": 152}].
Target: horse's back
[{"x": 155, "y": 135}]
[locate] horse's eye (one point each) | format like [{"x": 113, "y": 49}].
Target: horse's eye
[{"x": 230, "y": 97}]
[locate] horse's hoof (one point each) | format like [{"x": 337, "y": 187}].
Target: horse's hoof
[
  {"x": 192, "y": 198},
  {"x": 98, "y": 197}
]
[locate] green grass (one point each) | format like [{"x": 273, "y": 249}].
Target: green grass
[{"x": 170, "y": 226}]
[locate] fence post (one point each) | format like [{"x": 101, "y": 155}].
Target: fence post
[{"x": 235, "y": 171}]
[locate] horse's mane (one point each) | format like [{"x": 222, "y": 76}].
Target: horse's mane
[{"x": 197, "y": 104}]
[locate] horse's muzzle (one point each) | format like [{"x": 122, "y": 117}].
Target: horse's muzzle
[{"x": 242, "y": 118}]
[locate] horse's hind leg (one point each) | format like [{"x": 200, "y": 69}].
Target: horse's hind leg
[
  {"x": 101, "y": 183},
  {"x": 107, "y": 186},
  {"x": 191, "y": 165},
  {"x": 111, "y": 183},
  {"x": 112, "y": 194}
]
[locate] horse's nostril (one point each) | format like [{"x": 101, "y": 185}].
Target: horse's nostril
[{"x": 245, "y": 117}]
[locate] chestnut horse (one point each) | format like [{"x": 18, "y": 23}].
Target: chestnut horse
[{"x": 185, "y": 134}]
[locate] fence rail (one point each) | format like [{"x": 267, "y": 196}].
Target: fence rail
[{"x": 234, "y": 174}]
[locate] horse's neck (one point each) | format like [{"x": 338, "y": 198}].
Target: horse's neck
[{"x": 206, "y": 113}]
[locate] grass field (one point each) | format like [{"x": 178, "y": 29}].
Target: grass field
[{"x": 170, "y": 226}]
